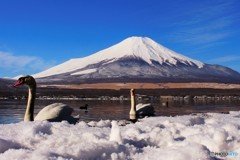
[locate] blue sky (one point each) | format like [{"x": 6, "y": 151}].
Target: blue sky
[{"x": 38, "y": 34}]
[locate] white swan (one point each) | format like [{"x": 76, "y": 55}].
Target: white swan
[
  {"x": 55, "y": 112},
  {"x": 140, "y": 109}
]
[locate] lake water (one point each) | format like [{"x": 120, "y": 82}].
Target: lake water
[{"x": 12, "y": 111}]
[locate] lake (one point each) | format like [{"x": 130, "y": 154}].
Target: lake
[{"x": 12, "y": 111}]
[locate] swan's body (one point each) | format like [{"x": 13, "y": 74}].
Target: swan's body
[
  {"x": 55, "y": 112},
  {"x": 140, "y": 109}
]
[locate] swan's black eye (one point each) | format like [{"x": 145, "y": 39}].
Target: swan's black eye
[{"x": 20, "y": 79}]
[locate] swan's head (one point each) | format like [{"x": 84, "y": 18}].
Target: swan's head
[
  {"x": 28, "y": 80},
  {"x": 132, "y": 91}
]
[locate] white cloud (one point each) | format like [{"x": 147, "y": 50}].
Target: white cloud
[
  {"x": 231, "y": 61},
  {"x": 23, "y": 64},
  {"x": 225, "y": 59},
  {"x": 209, "y": 22},
  {"x": 8, "y": 60}
]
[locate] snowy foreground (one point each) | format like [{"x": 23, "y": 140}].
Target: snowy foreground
[{"x": 185, "y": 138}]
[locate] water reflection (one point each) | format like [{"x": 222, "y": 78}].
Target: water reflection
[{"x": 12, "y": 111}]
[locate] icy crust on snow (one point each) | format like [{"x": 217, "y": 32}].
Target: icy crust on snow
[
  {"x": 139, "y": 47},
  {"x": 173, "y": 138}
]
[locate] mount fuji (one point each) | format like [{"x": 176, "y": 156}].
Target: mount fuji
[{"x": 137, "y": 59}]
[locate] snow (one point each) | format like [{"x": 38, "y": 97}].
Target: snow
[
  {"x": 139, "y": 47},
  {"x": 173, "y": 138},
  {"x": 85, "y": 71}
]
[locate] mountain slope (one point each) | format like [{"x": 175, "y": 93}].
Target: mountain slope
[
  {"x": 6, "y": 87},
  {"x": 137, "y": 59}
]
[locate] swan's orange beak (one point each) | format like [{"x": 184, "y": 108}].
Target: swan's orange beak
[{"x": 19, "y": 82}]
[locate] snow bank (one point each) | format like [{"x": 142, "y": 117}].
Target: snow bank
[{"x": 177, "y": 138}]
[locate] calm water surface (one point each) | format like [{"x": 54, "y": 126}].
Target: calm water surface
[{"x": 12, "y": 111}]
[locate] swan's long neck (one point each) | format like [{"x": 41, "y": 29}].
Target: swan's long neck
[
  {"x": 132, "y": 112},
  {"x": 30, "y": 105}
]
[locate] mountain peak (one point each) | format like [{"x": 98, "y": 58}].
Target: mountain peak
[
  {"x": 134, "y": 40},
  {"x": 142, "y": 48},
  {"x": 149, "y": 50}
]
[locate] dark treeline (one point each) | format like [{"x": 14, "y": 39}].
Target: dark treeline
[{"x": 122, "y": 92}]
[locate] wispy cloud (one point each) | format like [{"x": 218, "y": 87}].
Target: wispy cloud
[
  {"x": 210, "y": 22},
  {"x": 23, "y": 64},
  {"x": 231, "y": 61},
  {"x": 8, "y": 60},
  {"x": 224, "y": 59}
]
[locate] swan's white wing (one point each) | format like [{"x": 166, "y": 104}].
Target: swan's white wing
[
  {"x": 145, "y": 109},
  {"x": 55, "y": 112}
]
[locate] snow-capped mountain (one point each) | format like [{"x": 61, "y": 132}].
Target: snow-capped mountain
[{"x": 137, "y": 59}]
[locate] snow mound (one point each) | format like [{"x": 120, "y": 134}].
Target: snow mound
[
  {"x": 7, "y": 144},
  {"x": 178, "y": 138},
  {"x": 115, "y": 134}
]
